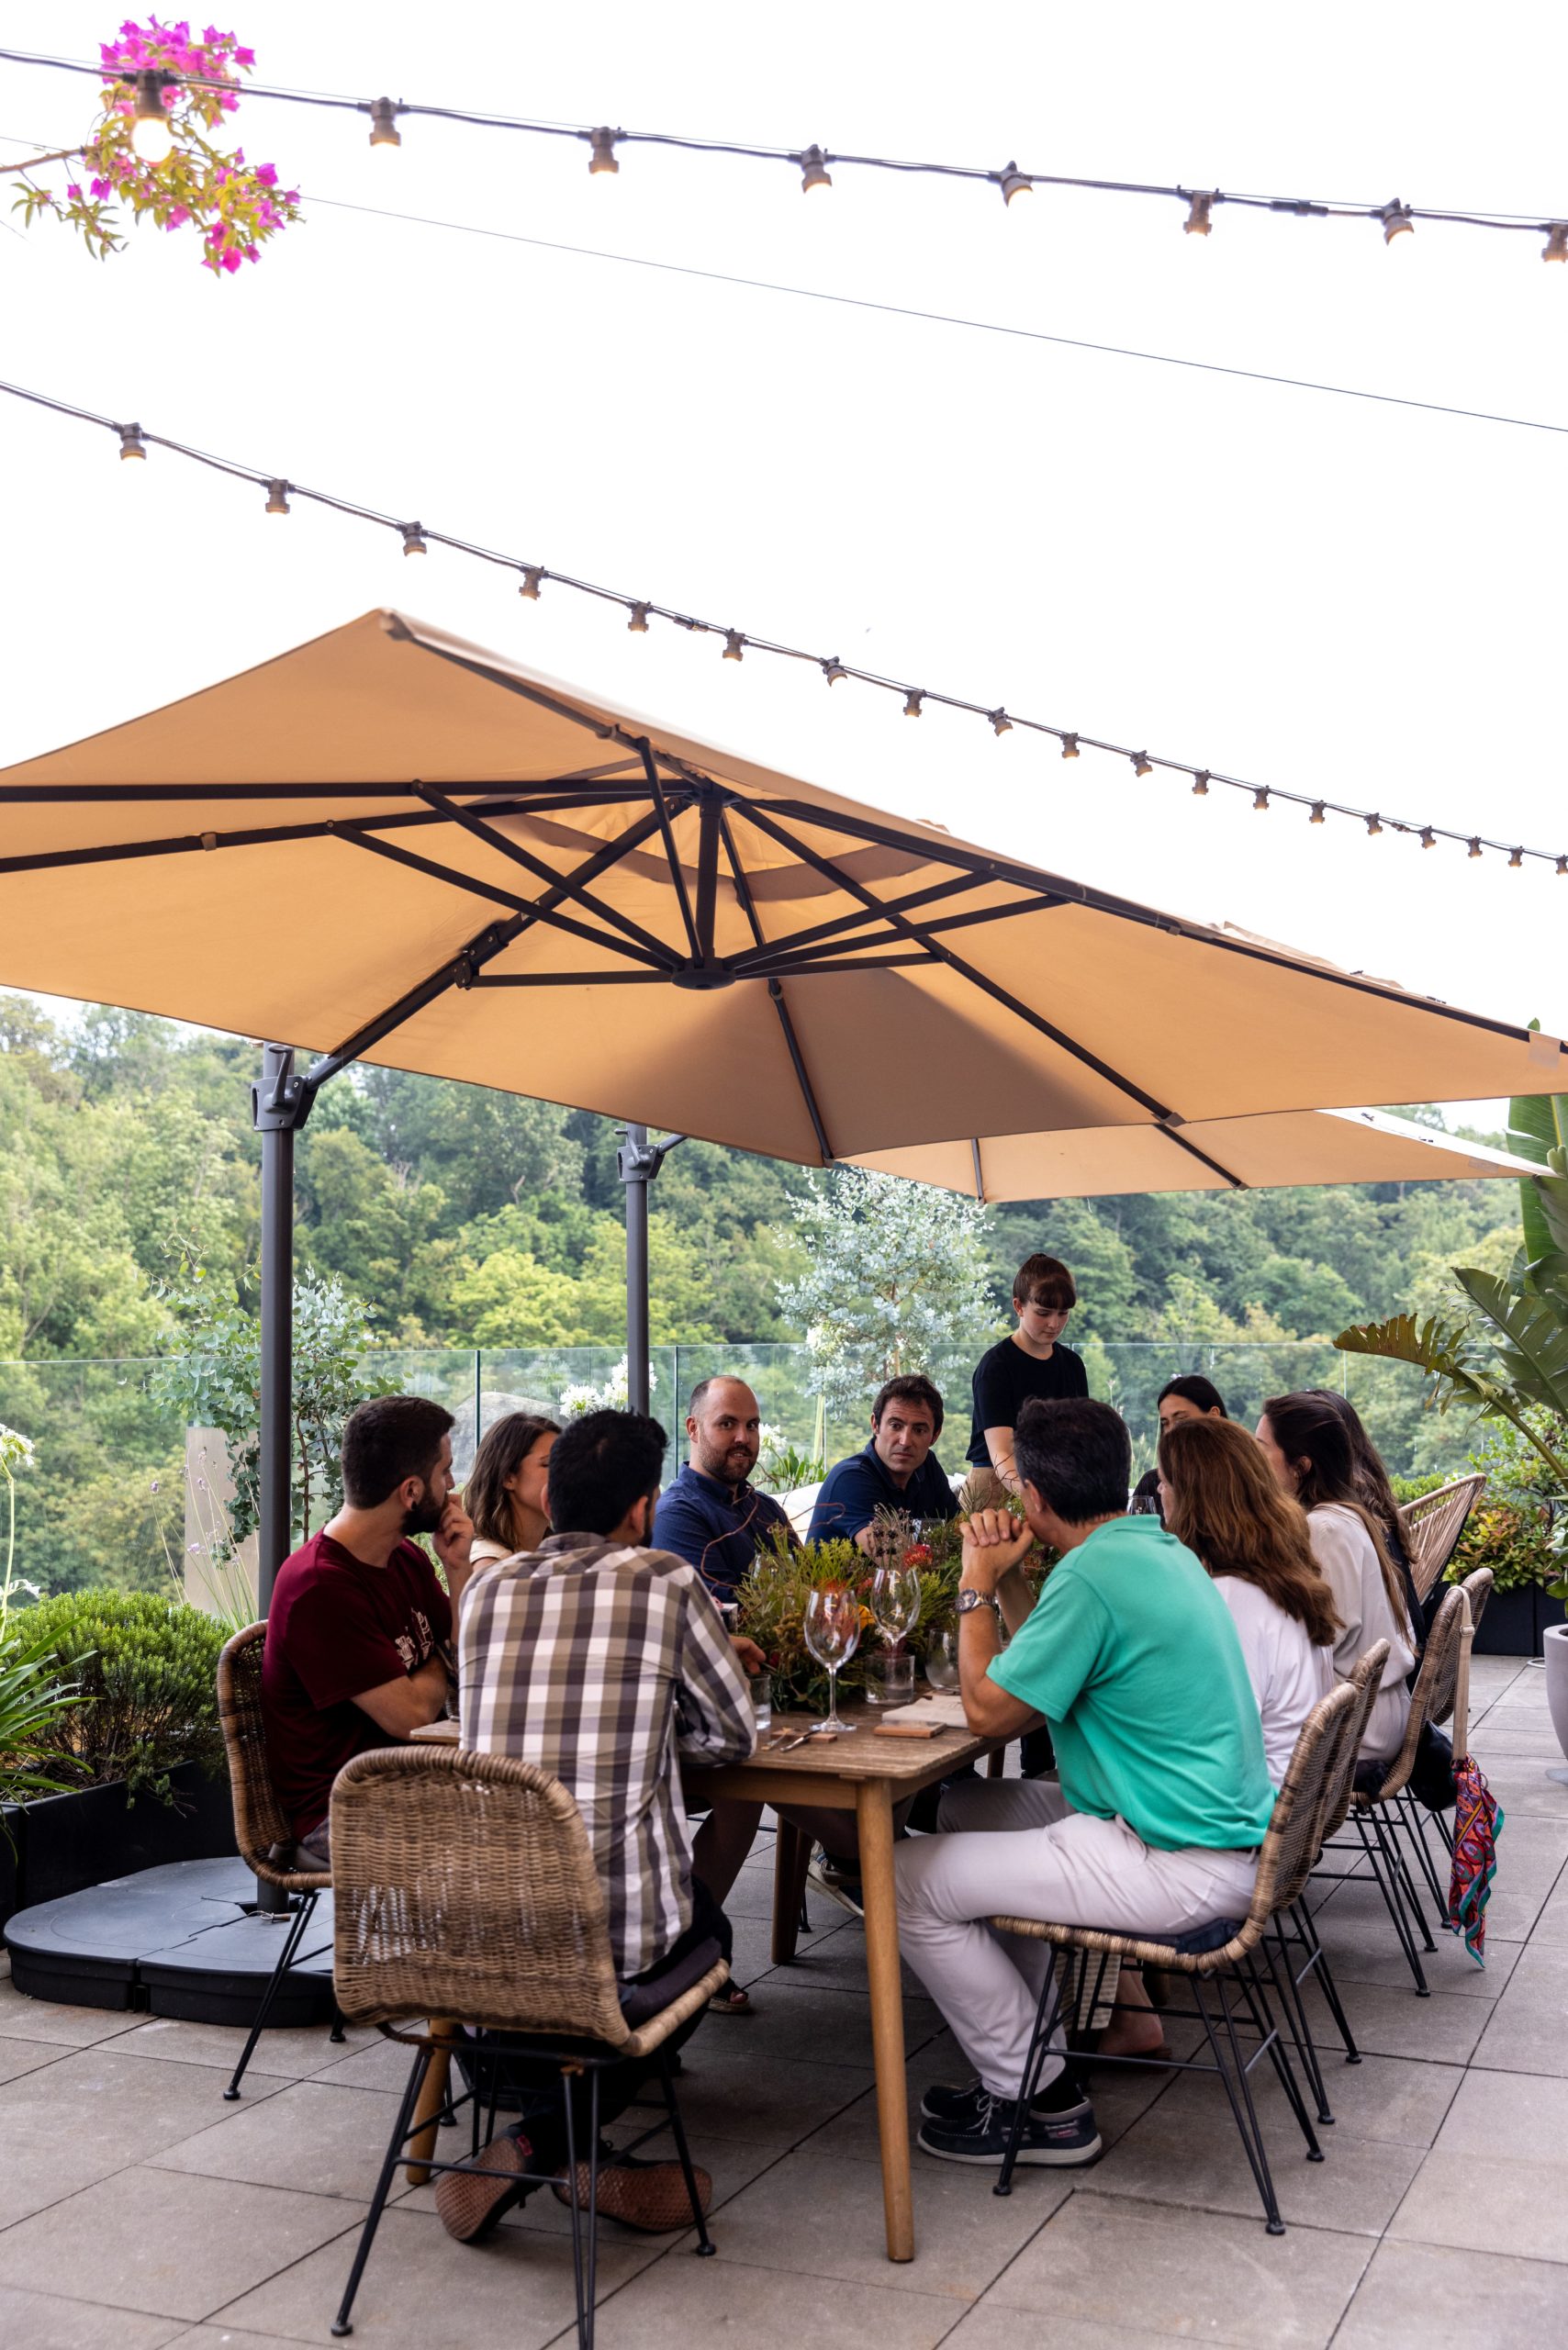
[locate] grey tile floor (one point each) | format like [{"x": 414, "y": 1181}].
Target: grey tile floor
[{"x": 138, "y": 2211}]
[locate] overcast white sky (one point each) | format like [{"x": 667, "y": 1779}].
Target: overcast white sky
[{"x": 1319, "y": 593}]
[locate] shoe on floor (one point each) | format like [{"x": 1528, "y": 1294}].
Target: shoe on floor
[
  {"x": 1051, "y": 2141},
  {"x": 830, "y": 1877},
  {"x": 650, "y": 2196},
  {"x": 1059, "y": 2101},
  {"x": 472, "y": 2200}
]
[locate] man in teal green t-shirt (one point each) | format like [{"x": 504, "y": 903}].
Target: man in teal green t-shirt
[{"x": 1132, "y": 1657}]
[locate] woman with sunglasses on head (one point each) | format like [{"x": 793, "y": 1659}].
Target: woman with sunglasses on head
[{"x": 1308, "y": 1447}]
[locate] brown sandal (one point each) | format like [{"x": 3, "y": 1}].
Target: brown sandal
[
  {"x": 650, "y": 2196},
  {"x": 473, "y": 2200},
  {"x": 731, "y": 2001}
]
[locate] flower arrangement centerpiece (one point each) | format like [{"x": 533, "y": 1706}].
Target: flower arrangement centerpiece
[{"x": 773, "y": 1600}]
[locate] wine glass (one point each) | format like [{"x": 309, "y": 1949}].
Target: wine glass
[
  {"x": 832, "y": 1634},
  {"x": 895, "y": 1602},
  {"x": 942, "y": 1660}
]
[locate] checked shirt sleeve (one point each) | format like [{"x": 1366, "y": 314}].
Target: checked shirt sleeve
[{"x": 714, "y": 1721}]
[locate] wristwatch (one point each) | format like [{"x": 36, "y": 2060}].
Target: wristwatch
[{"x": 968, "y": 1601}]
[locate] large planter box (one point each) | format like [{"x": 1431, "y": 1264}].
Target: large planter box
[
  {"x": 68, "y": 1842},
  {"x": 1515, "y": 1620},
  {"x": 13, "y": 1825}
]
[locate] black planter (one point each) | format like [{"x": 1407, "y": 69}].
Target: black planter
[
  {"x": 1515, "y": 1620},
  {"x": 13, "y": 1827},
  {"x": 68, "y": 1842}
]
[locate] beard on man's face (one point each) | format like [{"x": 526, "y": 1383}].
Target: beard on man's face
[{"x": 425, "y": 1515}]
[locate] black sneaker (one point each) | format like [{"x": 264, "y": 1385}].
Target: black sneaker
[
  {"x": 1060, "y": 2100},
  {"x": 980, "y": 2134}
]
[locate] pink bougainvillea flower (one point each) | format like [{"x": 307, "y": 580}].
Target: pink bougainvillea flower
[
  {"x": 74, "y": 192},
  {"x": 267, "y": 174}
]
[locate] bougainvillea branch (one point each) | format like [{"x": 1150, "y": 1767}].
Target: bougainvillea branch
[{"x": 235, "y": 205}]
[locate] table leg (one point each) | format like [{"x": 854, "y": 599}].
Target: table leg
[
  {"x": 792, "y": 1858},
  {"x": 433, "y": 2096},
  {"x": 874, "y": 1815}
]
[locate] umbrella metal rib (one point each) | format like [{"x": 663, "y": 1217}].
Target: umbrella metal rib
[{"x": 774, "y": 990}]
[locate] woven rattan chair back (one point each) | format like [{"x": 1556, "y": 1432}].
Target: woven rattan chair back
[
  {"x": 1477, "y": 1589},
  {"x": 1432, "y": 1528},
  {"x": 262, "y": 1830},
  {"x": 465, "y": 1885},
  {"x": 1431, "y": 1700},
  {"x": 1365, "y": 1678}
]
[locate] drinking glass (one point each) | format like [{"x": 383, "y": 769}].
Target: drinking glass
[
  {"x": 895, "y": 1602},
  {"x": 832, "y": 1634},
  {"x": 761, "y": 1688},
  {"x": 942, "y": 1660}
]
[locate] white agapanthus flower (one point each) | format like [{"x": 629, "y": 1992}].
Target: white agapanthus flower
[{"x": 16, "y": 1450}]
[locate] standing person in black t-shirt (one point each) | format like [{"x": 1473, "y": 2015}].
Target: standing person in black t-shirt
[{"x": 1032, "y": 1361}]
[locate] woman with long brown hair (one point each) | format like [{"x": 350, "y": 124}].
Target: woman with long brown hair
[
  {"x": 1308, "y": 1447},
  {"x": 1220, "y": 1498},
  {"x": 505, "y": 1492}
]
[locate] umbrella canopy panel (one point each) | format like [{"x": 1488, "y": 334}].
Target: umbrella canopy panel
[
  {"x": 393, "y": 845},
  {"x": 1251, "y": 1153}
]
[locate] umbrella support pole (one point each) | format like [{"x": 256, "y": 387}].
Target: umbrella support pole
[{"x": 639, "y": 1161}]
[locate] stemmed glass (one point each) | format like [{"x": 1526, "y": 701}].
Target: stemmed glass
[
  {"x": 895, "y": 1603},
  {"x": 942, "y": 1660},
  {"x": 832, "y": 1634}
]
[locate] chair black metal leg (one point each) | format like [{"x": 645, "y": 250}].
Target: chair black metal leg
[
  {"x": 585, "y": 2308},
  {"x": 1415, "y": 1822},
  {"x": 301, "y": 1918},
  {"x": 1047, "y": 2012},
  {"x": 1317, "y": 1963},
  {"x": 705, "y": 2244},
  {"x": 1244, "y": 2119},
  {"x": 400, "y": 2129},
  {"x": 593, "y": 2205},
  {"x": 337, "y": 2035},
  {"x": 1383, "y": 1821},
  {"x": 1301, "y": 2038},
  {"x": 1391, "y": 1903}
]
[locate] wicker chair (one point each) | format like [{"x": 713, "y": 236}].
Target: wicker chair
[
  {"x": 1432, "y": 1528},
  {"x": 260, "y": 1826},
  {"x": 1301, "y": 1952},
  {"x": 1225, "y": 1955},
  {"x": 465, "y": 1886}
]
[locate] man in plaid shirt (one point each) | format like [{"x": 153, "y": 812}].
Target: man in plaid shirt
[{"x": 605, "y": 1661}]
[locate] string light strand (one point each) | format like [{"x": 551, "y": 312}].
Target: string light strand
[
  {"x": 135, "y": 441},
  {"x": 814, "y": 162}
]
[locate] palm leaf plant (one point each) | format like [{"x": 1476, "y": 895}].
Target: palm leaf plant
[{"x": 1508, "y": 1359}]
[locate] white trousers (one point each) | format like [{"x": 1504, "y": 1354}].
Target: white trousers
[{"x": 1010, "y": 1847}]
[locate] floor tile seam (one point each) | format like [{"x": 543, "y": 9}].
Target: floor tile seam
[
  {"x": 1108, "y": 2193},
  {"x": 177, "y": 2325},
  {"x": 788, "y": 2253},
  {"x": 227, "y": 2178},
  {"x": 298, "y": 2261},
  {"x": 57, "y": 2201}
]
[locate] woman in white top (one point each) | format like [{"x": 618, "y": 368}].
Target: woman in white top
[
  {"x": 1219, "y": 1498},
  {"x": 505, "y": 1493},
  {"x": 1309, "y": 1451}
]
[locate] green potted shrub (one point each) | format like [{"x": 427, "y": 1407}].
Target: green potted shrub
[{"x": 132, "y": 1740}]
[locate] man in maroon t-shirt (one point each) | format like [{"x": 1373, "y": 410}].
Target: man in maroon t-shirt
[{"x": 359, "y": 1631}]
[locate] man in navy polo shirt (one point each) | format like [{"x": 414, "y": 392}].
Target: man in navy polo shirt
[
  {"x": 897, "y": 1471},
  {"x": 711, "y": 1516}
]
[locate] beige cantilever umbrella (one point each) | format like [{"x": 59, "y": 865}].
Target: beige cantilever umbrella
[
  {"x": 1242, "y": 1154},
  {"x": 393, "y": 845}
]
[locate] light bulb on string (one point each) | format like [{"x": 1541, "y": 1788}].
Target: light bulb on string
[
  {"x": 638, "y": 623},
  {"x": 1516, "y": 859},
  {"x": 413, "y": 538},
  {"x": 1142, "y": 764},
  {"x": 814, "y": 172},
  {"x": 1069, "y": 746},
  {"x": 1396, "y": 221},
  {"x": 1373, "y": 826},
  {"x": 131, "y": 443},
  {"x": 915, "y": 702},
  {"x": 384, "y": 131},
  {"x": 1201, "y": 783},
  {"x": 1012, "y": 182},
  {"x": 533, "y": 573},
  {"x": 1197, "y": 223},
  {"x": 1562, "y": 867},
  {"x": 152, "y": 133},
  {"x": 1475, "y": 845},
  {"x": 1556, "y": 245},
  {"x": 1319, "y": 813},
  {"x": 735, "y": 644},
  {"x": 602, "y": 157},
  {"x": 277, "y": 498},
  {"x": 1260, "y": 799},
  {"x": 834, "y": 670},
  {"x": 1428, "y": 838},
  {"x": 999, "y": 721}
]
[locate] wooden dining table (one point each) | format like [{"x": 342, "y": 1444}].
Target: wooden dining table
[{"x": 859, "y": 1772}]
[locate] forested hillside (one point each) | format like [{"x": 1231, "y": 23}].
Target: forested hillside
[{"x": 469, "y": 1218}]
